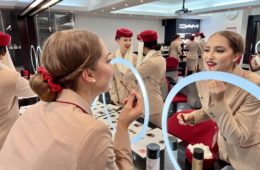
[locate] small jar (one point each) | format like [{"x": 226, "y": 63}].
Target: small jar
[
  {"x": 197, "y": 159},
  {"x": 153, "y": 157}
]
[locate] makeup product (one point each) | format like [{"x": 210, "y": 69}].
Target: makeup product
[
  {"x": 174, "y": 149},
  {"x": 197, "y": 159},
  {"x": 153, "y": 157},
  {"x": 135, "y": 100}
]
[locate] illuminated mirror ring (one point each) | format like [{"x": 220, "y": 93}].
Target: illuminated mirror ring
[
  {"x": 139, "y": 136},
  {"x": 36, "y": 55},
  {"x": 256, "y": 50},
  {"x": 226, "y": 77}
]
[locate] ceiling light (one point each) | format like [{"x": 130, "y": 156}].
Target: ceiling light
[
  {"x": 31, "y": 6},
  {"x": 37, "y": 6},
  {"x": 45, "y": 6}
]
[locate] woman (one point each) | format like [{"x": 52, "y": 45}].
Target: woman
[
  {"x": 192, "y": 56},
  {"x": 12, "y": 86},
  {"x": 175, "y": 47},
  {"x": 60, "y": 132},
  {"x": 236, "y": 112},
  {"x": 119, "y": 89},
  {"x": 202, "y": 43},
  {"x": 152, "y": 70}
]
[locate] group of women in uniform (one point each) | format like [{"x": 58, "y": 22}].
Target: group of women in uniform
[
  {"x": 150, "y": 65},
  {"x": 60, "y": 132}
]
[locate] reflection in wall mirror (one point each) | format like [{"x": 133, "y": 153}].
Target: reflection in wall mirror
[
  {"x": 257, "y": 47},
  {"x": 257, "y": 38},
  {"x": 1, "y": 22},
  {"x": 49, "y": 22}
]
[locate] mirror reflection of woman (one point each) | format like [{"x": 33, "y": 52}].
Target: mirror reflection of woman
[
  {"x": 119, "y": 88},
  {"x": 236, "y": 112},
  {"x": 152, "y": 68}
]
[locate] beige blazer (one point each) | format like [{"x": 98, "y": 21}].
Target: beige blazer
[
  {"x": 202, "y": 43},
  {"x": 194, "y": 50},
  {"x": 175, "y": 50},
  {"x": 60, "y": 136},
  {"x": 238, "y": 119},
  {"x": 117, "y": 91},
  {"x": 12, "y": 85},
  {"x": 152, "y": 72}
]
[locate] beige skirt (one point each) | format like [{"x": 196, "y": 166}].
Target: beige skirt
[{"x": 192, "y": 64}]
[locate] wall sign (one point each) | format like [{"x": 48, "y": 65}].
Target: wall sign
[{"x": 187, "y": 26}]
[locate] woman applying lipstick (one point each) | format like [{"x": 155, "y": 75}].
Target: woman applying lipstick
[
  {"x": 236, "y": 112},
  {"x": 119, "y": 86}
]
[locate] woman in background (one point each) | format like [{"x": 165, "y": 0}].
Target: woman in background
[
  {"x": 152, "y": 68},
  {"x": 192, "y": 56},
  {"x": 60, "y": 131},
  {"x": 175, "y": 47},
  {"x": 202, "y": 43},
  {"x": 119, "y": 89},
  {"x": 236, "y": 112},
  {"x": 12, "y": 86}
]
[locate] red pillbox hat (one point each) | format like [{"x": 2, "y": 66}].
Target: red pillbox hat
[
  {"x": 5, "y": 39},
  {"x": 147, "y": 36},
  {"x": 123, "y": 32}
]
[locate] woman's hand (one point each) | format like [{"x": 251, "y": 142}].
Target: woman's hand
[
  {"x": 132, "y": 110},
  {"x": 216, "y": 90},
  {"x": 185, "y": 119}
]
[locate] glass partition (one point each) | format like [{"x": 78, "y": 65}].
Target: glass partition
[{"x": 50, "y": 22}]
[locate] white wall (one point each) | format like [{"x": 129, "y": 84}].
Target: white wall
[
  {"x": 219, "y": 21},
  {"x": 105, "y": 27},
  {"x": 255, "y": 11}
]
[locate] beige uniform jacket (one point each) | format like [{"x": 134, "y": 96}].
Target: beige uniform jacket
[
  {"x": 175, "y": 50},
  {"x": 117, "y": 90},
  {"x": 62, "y": 136},
  {"x": 194, "y": 50},
  {"x": 202, "y": 46},
  {"x": 238, "y": 119},
  {"x": 152, "y": 72},
  {"x": 12, "y": 86}
]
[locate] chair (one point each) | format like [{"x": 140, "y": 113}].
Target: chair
[
  {"x": 172, "y": 68},
  {"x": 179, "y": 98}
]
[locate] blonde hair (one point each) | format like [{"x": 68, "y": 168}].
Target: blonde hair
[
  {"x": 65, "y": 55},
  {"x": 235, "y": 40}
]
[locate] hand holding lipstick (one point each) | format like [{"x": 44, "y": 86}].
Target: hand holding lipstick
[
  {"x": 185, "y": 119},
  {"x": 125, "y": 100}
]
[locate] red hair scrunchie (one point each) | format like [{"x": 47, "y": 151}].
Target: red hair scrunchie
[{"x": 55, "y": 88}]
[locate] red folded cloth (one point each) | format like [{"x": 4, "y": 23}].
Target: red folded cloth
[{"x": 203, "y": 132}]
